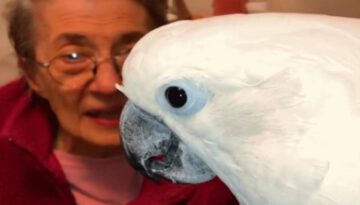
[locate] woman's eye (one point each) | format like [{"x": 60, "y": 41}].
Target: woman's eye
[
  {"x": 121, "y": 56},
  {"x": 73, "y": 58},
  {"x": 123, "y": 52}
]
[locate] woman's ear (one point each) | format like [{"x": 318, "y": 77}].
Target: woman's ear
[{"x": 31, "y": 76}]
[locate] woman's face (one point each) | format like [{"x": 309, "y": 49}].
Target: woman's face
[{"x": 88, "y": 112}]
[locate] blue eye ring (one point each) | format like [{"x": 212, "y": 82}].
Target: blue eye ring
[{"x": 182, "y": 97}]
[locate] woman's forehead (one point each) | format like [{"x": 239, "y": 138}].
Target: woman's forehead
[
  {"x": 91, "y": 19},
  {"x": 99, "y": 13}
]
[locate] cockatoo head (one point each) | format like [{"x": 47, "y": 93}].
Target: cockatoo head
[{"x": 235, "y": 95}]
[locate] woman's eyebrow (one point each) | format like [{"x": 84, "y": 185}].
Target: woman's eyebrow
[
  {"x": 124, "y": 39},
  {"x": 73, "y": 38}
]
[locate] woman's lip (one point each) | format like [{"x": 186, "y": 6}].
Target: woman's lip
[
  {"x": 105, "y": 118},
  {"x": 105, "y": 121}
]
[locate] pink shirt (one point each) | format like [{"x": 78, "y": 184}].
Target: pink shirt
[{"x": 100, "y": 181}]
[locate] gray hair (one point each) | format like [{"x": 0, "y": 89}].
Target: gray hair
[
  {"x": 20, "y": 22},
  {"x": 20, "y": 27}
]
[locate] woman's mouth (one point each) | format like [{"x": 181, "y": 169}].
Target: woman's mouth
[{"x": 105, "y": 118}]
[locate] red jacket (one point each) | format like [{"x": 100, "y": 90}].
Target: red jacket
[{"x": 30, "y": 173}]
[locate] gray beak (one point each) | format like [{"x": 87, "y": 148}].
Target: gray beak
[{"x": 156, "y": 151}]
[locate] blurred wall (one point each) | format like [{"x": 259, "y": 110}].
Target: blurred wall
[
  {"x": 8, "y": 68},
  {"x": 200, "y": 7},
  {"x": 350, "y": 8}
]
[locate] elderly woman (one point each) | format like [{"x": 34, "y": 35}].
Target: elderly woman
[{"x": 59, "y": 137}]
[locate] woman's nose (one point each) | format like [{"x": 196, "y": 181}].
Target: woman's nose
[{"x": 106, "y": 76}]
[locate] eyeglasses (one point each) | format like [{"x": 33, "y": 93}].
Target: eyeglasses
[{"x": 75, "y": 69}]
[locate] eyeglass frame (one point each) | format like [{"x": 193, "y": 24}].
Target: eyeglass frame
[{"x": 96, "y": 61}]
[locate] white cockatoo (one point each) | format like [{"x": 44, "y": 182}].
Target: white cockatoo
[{"x": 267, "y": 102}]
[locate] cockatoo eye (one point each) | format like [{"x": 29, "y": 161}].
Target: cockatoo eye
[
  {"x": 182, "y": 97},
  {"x": 176, "y": 96}
]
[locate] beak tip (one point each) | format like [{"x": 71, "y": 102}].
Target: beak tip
[{"x": 119, "y": 87}]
